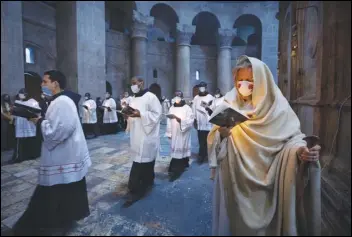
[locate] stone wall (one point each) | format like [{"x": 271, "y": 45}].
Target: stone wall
[
  {"x": 161, "y": 56},
  {"x": 204, "y": 60},
  {"x": 117, "y": 61},
  {"x": 12, "y": 77},
  {"x": 39, "y": 32},
  {"x": 227, "y": 13}
]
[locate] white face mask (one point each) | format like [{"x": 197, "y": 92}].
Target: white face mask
[
  {"x": 21, "y": 96},
  {"x": 217, "y": 96},
  {"x": 178, "y": 99},
  {"x": 202, "y": 89},
  {"x": 245, "y": 88},
  {"x": 87, "y": 98},
  {"x": 107, "y": 96},
  {"x": 135, "y": 89}
]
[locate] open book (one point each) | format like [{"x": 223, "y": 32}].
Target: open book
[
  {"x": 127, "y": 110},
  {"x": 205, "y": 104},
  {"x": 25, "y": 111},
  {"x": 225, "y": 115}
]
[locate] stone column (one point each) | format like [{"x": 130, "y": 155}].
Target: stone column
[
  {"x": 81, "y": 46},
  {"x": 183, "y": 58},
  {"x": 224, "y": 72},
  {"x": 139, "y": 37},
  {"x": 12, "y": 51}
]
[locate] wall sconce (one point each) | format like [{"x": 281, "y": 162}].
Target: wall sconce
[{"x": 294, "y": 41}]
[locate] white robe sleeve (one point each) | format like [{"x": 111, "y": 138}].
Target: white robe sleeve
[
  {"x": 57, "y": 127},
  {"x": 168, "y": 126},
  {"x": 217, "y": 151},
  {"x": 151, "y": 117},
  {"x": 187, "y": 122}
]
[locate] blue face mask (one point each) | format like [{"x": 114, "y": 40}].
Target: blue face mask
[{"x": 46, "y": 91}]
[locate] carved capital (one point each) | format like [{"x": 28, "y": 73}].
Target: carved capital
[
  {"x": 184, "y": 34},
  {"x": 141, "y": 24},
  {"x": 225, "y": 37}
]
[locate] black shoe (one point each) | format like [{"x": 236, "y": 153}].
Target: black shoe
[{"x": 174, "y": 176}]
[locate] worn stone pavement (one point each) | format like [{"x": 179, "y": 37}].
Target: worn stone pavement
[{"x": 179, "y": 208}]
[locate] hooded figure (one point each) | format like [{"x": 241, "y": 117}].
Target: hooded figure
[
  {"x": 255, "y": 163},
  {"x": 201, "y": 114},
  {"x": 27, "y": 147},
  {"x": 7, "y": 128},
  {"x": 89, "y": 115},
  {"x": 178, "y": 129}
]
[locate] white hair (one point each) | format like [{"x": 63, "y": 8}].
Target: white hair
[{"x": 242, "y": 62}]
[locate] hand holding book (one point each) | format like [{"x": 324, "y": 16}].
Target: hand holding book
[{"x": 227, "y": 116}]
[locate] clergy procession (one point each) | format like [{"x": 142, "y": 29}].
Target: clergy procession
[{"x": 255, "y": 150}]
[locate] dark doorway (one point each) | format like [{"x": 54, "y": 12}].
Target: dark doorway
[
  {"x": 195, "y": 91},
  {"x": 156, "y": 90},
  {"x": 32, "y": 83},
  {"x": 108, "y": 87}
]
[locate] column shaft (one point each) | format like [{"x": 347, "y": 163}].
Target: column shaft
[
  {"x": 183, "y": 59},
  {"x": 224, "y": 75},
  {"x": 12, "y": 52},
  {"x": 141, "y": 23},
  {"x": 183, "y": 73}
]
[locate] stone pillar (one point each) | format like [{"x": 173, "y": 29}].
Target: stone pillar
[
  {"x": 224, "y": 72},
  {"x": 81, "y": 43},
  {"x": 12, "y": 51},
  {"x": 139, "y": 37},
  {"x": 183, "y": 58}
]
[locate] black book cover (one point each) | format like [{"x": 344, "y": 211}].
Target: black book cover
[
  {"x": 228, "y": 117},
  {"x": 25, "y": 111}
]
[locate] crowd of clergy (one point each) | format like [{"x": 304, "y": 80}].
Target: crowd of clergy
[{"x": 253, "y": 164}]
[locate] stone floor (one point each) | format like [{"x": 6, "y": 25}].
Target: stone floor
[{"x": 179, "y": 208}]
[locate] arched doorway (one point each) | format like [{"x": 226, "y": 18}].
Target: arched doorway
[
  {"x": 195, "y": 91},
  {"x": 249, "y": 29},
  {"x": 32, "y": 83},
  {"x": 108, "y": 87},
  {"x": 156, "y": 90},
  {"x": 165, "y": 20},
  {"x": 207, "y": 25}
]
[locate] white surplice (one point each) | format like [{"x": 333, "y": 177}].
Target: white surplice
[
  {"x": 110, "y": 116},
  {"x": 144, "y": 130},
  {"x": 180, "y": 133},
  {"x": 90, "y": 115},
  {"x": 65, "y": 156},
  {"x": 201, "y": 115},
  {"x": 216, "y": 102}
]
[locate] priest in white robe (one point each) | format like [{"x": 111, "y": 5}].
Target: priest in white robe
[
  {"x": 89, "y": 117},
  {"x": 144, "y": 127},
  {"x": 255, "y": 163},
  {"x": 110, "y": 116},
  {"x": 60, "y": 197},
  {"x": 179, "y": 131},
  {"x": 202, "y": 120}
]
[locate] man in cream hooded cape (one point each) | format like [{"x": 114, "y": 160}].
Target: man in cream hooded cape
[{"x": 256, "y": 166}]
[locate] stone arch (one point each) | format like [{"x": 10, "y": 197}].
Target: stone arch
[
  {"x": 32, "y": 83},
  {"x": 165, "y": 20},
  {"x": 156, "y": 90},
  {"x": 118, "y": 15},
  {"x": 108, "y": 87},
  {"x": 249, "y": 29},
  {"x": 207, "y": 25}
]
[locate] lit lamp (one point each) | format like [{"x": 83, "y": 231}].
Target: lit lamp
[{"x": 294, "y": 43}]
